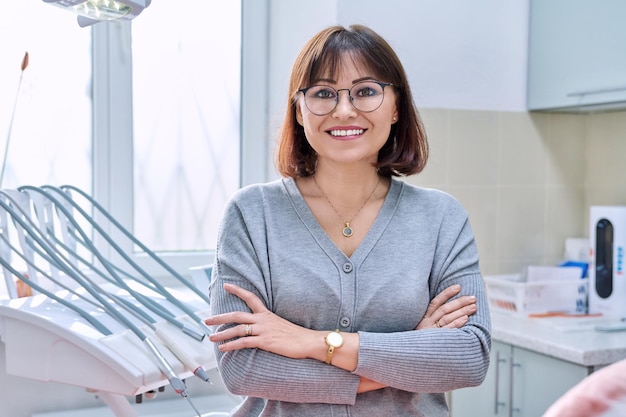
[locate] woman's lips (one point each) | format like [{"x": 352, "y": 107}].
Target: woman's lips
[{"x": 346, "y": 133}]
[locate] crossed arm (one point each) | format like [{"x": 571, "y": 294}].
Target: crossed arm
[{"x": 265, "y": 330}]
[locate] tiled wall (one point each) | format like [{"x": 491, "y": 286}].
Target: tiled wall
[{"x": 526, "y": 179}]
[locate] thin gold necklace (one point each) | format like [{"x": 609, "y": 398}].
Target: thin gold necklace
[{"x": 347, "y": 230}]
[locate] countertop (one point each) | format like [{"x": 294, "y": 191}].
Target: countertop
[{"x": 573, "y": 339}]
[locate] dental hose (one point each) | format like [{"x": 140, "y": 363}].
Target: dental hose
[
  {"x": 189, "y": 362},
  {"x": 176, "y": 383},
  {"x": 179, "y": 352},
  {"x": 159, "y": 288},
  {"x": 129, "y": 235},
  {"x": 97, "y": 324},
  {"x": 146, "y": 301},
  {"x": 168, "y": 341}
]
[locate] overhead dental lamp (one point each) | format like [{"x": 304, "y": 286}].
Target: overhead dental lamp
[{"x": 94, "y": 11}]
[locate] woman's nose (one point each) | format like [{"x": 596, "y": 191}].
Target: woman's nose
[{"x": 344, "y": 106}]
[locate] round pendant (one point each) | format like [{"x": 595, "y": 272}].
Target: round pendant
[{"x": 347, "y": 231}]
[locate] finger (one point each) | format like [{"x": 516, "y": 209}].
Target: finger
[
  {"x": 232, "y": 317},
  {"x": 457, "y": 304},
  {"x": 456, "y": 323},
  {"x": 442, "y": 298},
  {"x": 457, "y": 316},
  {"x": 234, "y": 332},
  {"x": 237, "y": 344},
  {"x": 254, "y": 302},
  {"x": 446, "y": 294}
]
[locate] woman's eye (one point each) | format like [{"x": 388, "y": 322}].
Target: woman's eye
[
  {"x": 366, "y": 92},
  {"x": 325, "y": 93}
]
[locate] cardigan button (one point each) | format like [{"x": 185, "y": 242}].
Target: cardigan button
[
  {"x": 344, "y": 322},
  {"x": 347, "y": 267}
]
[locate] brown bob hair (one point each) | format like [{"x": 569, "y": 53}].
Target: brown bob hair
[{"x": 406, "y": 149}]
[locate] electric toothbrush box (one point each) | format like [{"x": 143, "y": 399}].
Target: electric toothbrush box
[{"x": 607, "y": 281}]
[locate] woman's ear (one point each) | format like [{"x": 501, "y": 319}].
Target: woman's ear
[
  {"x": 299, "y": 115},
  {"x": 394, "y": 119}
]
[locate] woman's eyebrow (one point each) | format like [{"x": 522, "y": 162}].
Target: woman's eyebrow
[
  {"x": 366, "y": 78},
  {"x": 329, "y": 81}
]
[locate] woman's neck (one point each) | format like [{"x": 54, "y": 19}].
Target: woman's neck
[
  {"x": 340, "y": 178},
  {"x": 346, "y": 185}
]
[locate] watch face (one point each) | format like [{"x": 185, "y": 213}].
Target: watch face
[{"x": 334, "y": 339}]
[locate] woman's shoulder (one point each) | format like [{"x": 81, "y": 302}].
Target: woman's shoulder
[
  {"x": 259, "y": 191},
  {"x": 256, "y": 189},
  {"x": 429, "y": 196}
]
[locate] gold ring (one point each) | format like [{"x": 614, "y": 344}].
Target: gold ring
[
  {"x": 437, "y": 323},
  {"x": 248, "y": 330}
]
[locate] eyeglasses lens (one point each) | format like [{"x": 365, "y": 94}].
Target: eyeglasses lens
[{"x": 365, "y": 96}]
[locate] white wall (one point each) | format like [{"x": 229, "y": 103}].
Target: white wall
[{"x": 457, "y": 54}]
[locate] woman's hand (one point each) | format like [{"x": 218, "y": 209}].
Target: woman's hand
[
  {"x": 444, "y": 313},
  {"x": 261, "y": 329}
]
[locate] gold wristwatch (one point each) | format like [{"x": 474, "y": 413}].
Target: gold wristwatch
[{"x": 334, "y": 340}]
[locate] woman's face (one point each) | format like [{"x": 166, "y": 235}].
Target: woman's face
[{"x": 347, "y": 135}]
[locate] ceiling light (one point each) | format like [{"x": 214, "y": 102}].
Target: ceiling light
[{"x": 94, "y": 11}]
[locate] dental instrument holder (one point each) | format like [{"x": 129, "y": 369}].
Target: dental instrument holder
[
  {"x": 47, "y": 342},
  {"x": 42, "y": 336}
]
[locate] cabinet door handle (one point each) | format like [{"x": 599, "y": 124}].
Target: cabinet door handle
[
  {"x": 598, "y": 91},
  {"x": 512, "y": 366},
  {"x": 497, "y": 403}
]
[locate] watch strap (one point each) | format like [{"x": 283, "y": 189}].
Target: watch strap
[{"x": 329, "y": 355}]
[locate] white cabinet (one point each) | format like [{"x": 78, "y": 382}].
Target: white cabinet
[
  {"x": 577, "y": 55},
  {"x": 520, "y": 383}
]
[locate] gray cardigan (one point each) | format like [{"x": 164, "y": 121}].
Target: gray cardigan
[{"x": 421, "y": 242}]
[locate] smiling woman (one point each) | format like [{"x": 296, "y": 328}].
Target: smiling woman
[{"x": 340, "y": 289}]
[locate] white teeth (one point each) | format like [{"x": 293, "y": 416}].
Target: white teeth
[{"x": 346, "y": 132}]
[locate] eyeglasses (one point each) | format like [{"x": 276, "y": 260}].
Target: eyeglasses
[{"x": 365, "y": 96}]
